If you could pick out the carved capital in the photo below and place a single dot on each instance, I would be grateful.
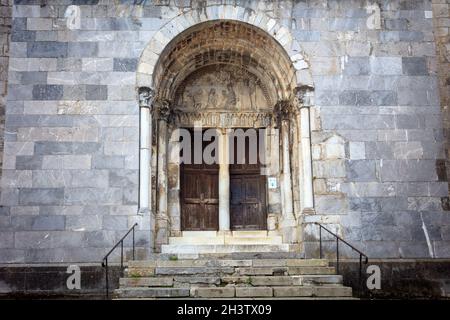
(304, 97)
(164, 110)
(146, 96)
(284, 110)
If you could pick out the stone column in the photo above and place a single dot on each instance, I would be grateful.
(224, 181)
(146, 96)
(162, 220)
(288, 222)
(304, 101)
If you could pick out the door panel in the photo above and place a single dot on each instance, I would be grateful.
(199, 200)
(248, 205)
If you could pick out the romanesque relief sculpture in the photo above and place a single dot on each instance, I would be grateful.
(164, 110)
(222, 88)
(146, 96)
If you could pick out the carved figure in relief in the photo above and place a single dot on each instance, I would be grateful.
(222, 88)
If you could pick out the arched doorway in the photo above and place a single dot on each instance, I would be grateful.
(226, 75)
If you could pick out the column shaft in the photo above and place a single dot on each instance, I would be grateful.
(224, 182)
(308, 198)
(145, 159)
(287, 184)
(162, 168)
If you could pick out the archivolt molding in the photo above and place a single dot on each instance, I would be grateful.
(149, 74)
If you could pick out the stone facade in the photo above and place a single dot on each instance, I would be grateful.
(5, 30)
(70, 176)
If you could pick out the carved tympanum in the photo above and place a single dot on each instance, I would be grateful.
(222, 88)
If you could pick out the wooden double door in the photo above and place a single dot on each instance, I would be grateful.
(200, 195)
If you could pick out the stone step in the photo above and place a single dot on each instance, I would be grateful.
(141, 292)
(258, 292)
(241, 271)
(226, 240)
(198, 249)
(230, 263)
(250, 255)
(298, 280)
(229, 256)
(202, 234)
(284, 271)
(312, 291)
(146, 282)
(256, 281)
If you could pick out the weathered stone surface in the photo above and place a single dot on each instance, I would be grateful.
(153, 292)
(292, 291)
(245, 292)
(47, 196)
(214, 292)
(45, 49)
(72, 125)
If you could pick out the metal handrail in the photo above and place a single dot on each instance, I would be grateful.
(105, 259)
(361, 254)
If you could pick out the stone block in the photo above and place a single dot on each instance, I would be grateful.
(415, 66)
(116, 223)
(33, 77)
(28, 162)
(356, 66)
(214, 292)
(408, 170)
(89, 178)
(307, 35)
(97, 64)
(47, 49)
(47, 92)
(59, 148)
(331, 204)
(125, 64)
(48, 223)
(92, 196)
(82, 49)
(123, 178)
(23, 36)
(292, 291)
(6, 240)
(408, 150)
(386, 65)
(96, 92)
(107, 162)
(16, 179)
(357, 150)
(39, 24)
(361, 170)
(90, 222)
(42, 196)
(257, 292)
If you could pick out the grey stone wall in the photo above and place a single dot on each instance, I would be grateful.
(379, 164)
(70, 166)
(5, 31)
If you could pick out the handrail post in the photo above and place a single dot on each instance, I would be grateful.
(107, 283)
(133, 244)
(121, 254)
(320, 241)
(360, 273)
(337, 255)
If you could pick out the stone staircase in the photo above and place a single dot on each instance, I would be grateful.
(232, 276)
(194, 242)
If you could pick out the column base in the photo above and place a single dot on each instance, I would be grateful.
(308, 211)
(144, 211)
(289, 231)
(224, 233)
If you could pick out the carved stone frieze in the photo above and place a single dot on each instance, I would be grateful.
(223, 119)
